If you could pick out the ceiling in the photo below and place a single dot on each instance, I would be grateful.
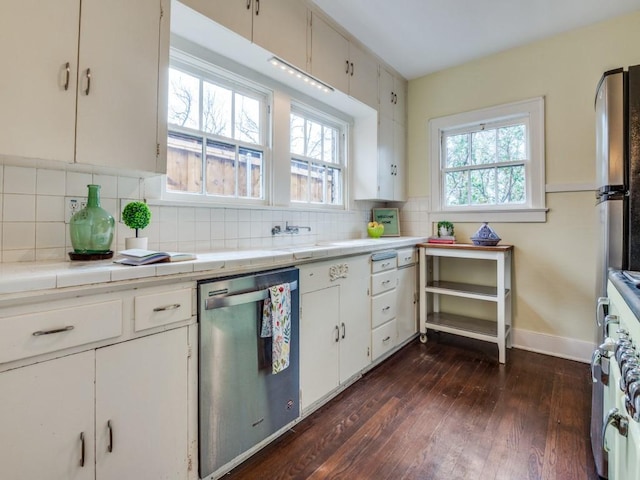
(418, 37)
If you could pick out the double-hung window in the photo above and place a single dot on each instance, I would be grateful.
(317, 158)
(217, 141)
(490, 163)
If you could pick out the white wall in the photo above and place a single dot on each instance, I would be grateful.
(554, 261)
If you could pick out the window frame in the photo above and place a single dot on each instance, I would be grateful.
(534, 208)
(326, 120)
(211, 73)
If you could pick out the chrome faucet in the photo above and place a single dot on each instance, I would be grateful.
(290, 229)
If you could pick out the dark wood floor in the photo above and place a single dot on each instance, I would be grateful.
(445, 410)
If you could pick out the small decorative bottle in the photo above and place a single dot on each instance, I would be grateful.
(92, 227)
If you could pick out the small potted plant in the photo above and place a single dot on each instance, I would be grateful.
(445, 229)
(136, 215)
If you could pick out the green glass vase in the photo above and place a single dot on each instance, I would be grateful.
(92, 227)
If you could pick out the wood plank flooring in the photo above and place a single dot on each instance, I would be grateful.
(444, 410)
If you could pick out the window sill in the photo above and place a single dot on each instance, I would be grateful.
(525, 215)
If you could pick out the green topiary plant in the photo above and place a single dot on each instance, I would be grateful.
(136, 215)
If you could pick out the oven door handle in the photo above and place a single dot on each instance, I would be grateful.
(241, 298)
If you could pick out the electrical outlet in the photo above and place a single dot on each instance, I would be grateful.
(73, 205)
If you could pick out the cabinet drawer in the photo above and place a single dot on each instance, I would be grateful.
(23, 336)
(383, 308)
(161, 308)
(383, 338)
(384, 281)
(383, 265)
(322, 275)
(407, 256)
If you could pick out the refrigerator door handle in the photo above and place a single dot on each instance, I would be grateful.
(602, 302)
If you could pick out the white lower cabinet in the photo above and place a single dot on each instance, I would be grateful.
(335, 331)
(133, 425)
(407, 306)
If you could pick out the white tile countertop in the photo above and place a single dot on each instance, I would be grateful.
(21, 278)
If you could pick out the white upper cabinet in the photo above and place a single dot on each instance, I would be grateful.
(38, 52)
(342, 64)
(118, 85)
(279, 26)
(115, 86)
(393, 96)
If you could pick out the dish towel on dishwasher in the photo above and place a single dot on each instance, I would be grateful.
(276, 323)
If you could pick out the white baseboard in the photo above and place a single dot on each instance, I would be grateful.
(562, 347)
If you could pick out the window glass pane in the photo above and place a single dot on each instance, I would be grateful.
(297, 135)
(333, 186)
(512, 143)
(247, 125)
(314, 140)
(330, 145)
(249, 173)
(221, 172)
(511, 184)
(299, 180)
(184, 100)
(483, 186)
(316, 188)
(483, 147)
(184, 163)
(457, 188)
(457, 150)
(216, 109)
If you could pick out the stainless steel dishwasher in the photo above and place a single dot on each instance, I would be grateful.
(241, 402)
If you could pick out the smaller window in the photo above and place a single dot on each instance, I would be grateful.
(489, 163)
(317, 159)
(217, 135)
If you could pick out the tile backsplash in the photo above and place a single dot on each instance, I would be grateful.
(34, 224)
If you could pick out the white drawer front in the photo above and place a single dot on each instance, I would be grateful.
(407, 256)
(383, 338)
(384, 281)
(383, 265)
(383, 308)
(162, 308)
(23, 336)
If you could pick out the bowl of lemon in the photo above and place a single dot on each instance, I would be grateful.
(375, 229)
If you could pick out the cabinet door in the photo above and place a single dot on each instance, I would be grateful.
(407, 313)
(117, 122)
(37, 40)
(386, 158)
(363, 76)
(141, 392)
(280, 26)
(399, 162)
(386, 93)
(319, 337)
(329, 54)
(355, 323)
(44, 409)
(236, 15)
(400, 102)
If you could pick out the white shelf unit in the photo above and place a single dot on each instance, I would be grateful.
(431, 287)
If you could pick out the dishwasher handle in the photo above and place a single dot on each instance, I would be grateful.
(241, 298)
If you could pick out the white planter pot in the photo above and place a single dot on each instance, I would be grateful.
(136, 242)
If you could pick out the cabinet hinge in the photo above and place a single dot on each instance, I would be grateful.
(161, 12)
(157, 149)
(268, 109)
(368, 351)
(189, 463)
(189, 352)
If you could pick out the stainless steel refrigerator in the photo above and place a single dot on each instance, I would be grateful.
(617, 107)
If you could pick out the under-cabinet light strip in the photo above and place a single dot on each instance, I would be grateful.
(296, 72)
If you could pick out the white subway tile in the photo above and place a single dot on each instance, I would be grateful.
(19, 208)
(51, 182)
(76, 184)
(19, 180)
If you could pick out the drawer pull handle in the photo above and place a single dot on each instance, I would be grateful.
(337, 338)
(55, 330)
(386, 309)
(386, 282)
(344, 330)
(385, 264)
(386, 340)
(173, 306)
(82, 449)
(110, 446)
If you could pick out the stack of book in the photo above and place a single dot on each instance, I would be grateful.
(445, 240)
(137, 256)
